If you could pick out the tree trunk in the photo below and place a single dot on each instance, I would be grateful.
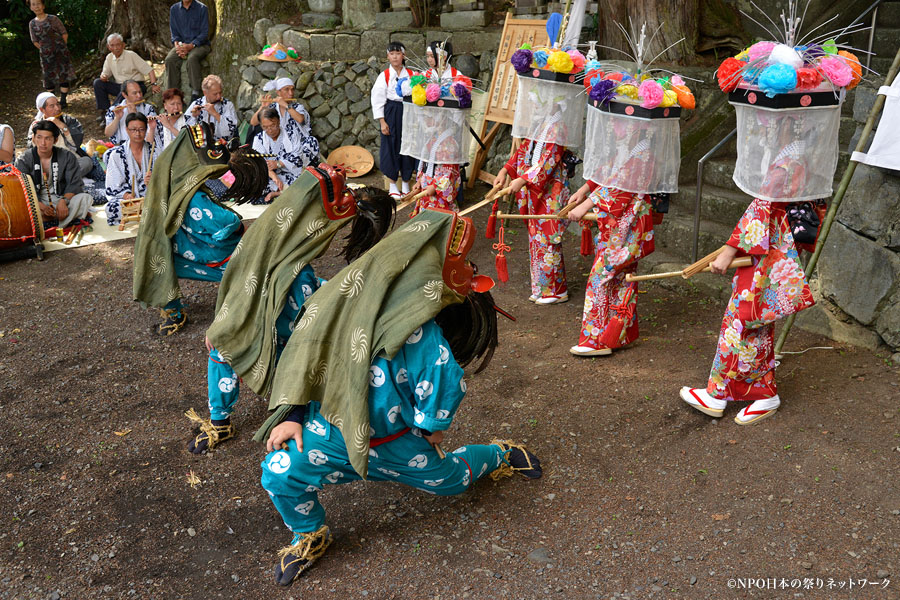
(234, 38)
(144, 24)
(678, 20)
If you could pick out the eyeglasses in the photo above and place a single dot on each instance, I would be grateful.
(133, 130)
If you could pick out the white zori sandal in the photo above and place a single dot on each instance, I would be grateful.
(758, 411)
(699, 398)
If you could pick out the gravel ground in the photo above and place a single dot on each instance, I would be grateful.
(642, 497)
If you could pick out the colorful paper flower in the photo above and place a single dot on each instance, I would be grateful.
(685, 97)
(578, 60)
(855, 67)
(836, 70)
(560, 62)
(760, 51)
(808, 78)
(525, 46)
(463, 95)
(280, 55)
(830, 47)
(603, 91)
(460, 78)
(592, 65)
(292, 53)
(521, 60)
(540, 58)
(651, 93)
(729, 74)
(433, 92)
(670, 98)
(615, 76)
(751, 74)
(591, 77)
(785, 55)
(417, 80)
(677, 80)
(268, 51)
(418, 95)
(813, 51)
(777, 79)
(628, 90)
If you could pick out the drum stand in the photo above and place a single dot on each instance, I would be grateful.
(131, 212)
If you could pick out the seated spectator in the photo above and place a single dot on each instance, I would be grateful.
(132, 103)
(54, 171)
(283, 159)
(212, 108)
(7, 144)
(294, 118)
(120, 66)
(128, 167)
(166, 127)
(71, 131)
(189, 25)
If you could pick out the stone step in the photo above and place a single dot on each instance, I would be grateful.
(675, 234)
(888, 15)
(885, 42)
(881, 65)
(718, 171)
(723, 205)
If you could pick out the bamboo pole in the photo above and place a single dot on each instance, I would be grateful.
(587, 217)
(839, 194)
(744, 261)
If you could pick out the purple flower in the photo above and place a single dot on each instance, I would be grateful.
(603, 91)
(521, 60)
(463, 95)
(813, 51)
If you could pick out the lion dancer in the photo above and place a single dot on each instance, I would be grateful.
(186, 232)
(270, 279)
(385, 416)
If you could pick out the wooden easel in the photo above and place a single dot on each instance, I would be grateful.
(501, 104)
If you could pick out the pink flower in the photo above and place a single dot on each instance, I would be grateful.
(760, 51)
(783, 271)
(677, 80)
(433, 92)
(652, 93)
(578, 60)
(836, 70)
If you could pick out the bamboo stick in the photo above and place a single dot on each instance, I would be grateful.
(744, 261)
(701, 264)
(839, 194)
(587, 217)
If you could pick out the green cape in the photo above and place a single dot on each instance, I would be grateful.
(177, 174)
(290, 233)
(369, 309)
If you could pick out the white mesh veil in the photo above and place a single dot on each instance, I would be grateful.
(549, 111)
(435, 135)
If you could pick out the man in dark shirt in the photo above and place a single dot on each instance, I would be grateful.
(189, 24)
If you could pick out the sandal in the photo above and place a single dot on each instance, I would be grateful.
(174, 319)
(301, 554)
(516, 459)
(208, 434)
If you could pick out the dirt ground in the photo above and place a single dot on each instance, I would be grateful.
(642, 497)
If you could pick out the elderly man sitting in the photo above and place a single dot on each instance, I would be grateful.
(56, 179)
(132, 103)
(212, 108)
(120, 66)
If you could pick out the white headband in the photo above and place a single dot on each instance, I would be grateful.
(42, 98)
(277, 84)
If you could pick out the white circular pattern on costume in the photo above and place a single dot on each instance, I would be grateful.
(465, 480)
(311, 488)
(359, 345)
(279, 463)
(250, 284)
(415, 336)
(189, 255)
(401, 376)
(388, 472)
(199, 271)
(420, 416)
(424, 389)
(463, 386)
(188, 229)
(483, 469)
(444, 358)
(352, 283)
(433, 290)
(317, 457)
(455, 460)
(372, 453)
(416, 432)
(333, 477)
(376, 376)
(304, 507)
(208, 213)
(393, 413)
(419, 461)
(307, 291)
(158, 265)
(284, 218)
(443, 414)
(458, 451)
(316, 427)
(433, 482)
(293, 303)
(226, 384)
(196, 213)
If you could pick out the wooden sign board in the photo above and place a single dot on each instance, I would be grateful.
(501, 103)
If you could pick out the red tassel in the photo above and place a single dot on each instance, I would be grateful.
(491, 230)
(587, 240)
(500, 259)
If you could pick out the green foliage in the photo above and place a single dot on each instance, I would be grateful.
(85, 20)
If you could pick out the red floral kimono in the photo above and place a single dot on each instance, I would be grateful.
(774, 286)
(446, 182)
(625, 223)
(545, 192)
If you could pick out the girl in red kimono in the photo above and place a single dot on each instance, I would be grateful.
(539, 182)
(625, 236)
(442, 181)
(774, 286)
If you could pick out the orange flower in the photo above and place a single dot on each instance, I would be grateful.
(852, 62)
(685, 97)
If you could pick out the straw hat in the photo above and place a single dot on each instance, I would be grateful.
(355, 160)
(278, 53)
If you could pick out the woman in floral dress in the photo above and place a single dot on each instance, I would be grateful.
(49, 36)
(774, 286)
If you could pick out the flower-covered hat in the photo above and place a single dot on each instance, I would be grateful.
(278, 53)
